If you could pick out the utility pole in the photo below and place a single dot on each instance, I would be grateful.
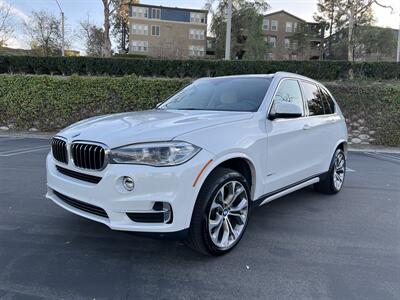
(398, 42)
(228, 31)
(62, 30)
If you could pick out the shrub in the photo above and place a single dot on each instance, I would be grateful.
(120, 66)
(371, 105)
(53, 102)
(50, 103)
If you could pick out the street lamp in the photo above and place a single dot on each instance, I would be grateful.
(62, 29)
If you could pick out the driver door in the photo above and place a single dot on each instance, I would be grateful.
(287, 153)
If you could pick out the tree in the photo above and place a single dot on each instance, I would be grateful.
(350, 14)
(247, 35)
(327, 15)
(119, 22)
(44, 31)
(119, 11)
(6, 26)
(106, 34)
(375, 43)
(93, 37)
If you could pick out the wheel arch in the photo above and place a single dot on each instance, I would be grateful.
(238, 162)
(342, 144)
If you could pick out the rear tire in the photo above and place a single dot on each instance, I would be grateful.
(221, 213)
(332, 182)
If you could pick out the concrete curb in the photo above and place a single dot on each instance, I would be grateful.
(48, 135)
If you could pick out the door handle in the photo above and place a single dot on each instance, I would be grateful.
(306, 127)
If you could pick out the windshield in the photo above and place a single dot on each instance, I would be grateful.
(225, 94)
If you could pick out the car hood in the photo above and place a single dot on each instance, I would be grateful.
(146, 126)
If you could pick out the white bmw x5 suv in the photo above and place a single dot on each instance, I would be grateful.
(198, 163)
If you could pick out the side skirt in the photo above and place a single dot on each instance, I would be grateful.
(288, 189)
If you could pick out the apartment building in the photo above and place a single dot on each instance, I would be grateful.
(167, 32)
(292, 38)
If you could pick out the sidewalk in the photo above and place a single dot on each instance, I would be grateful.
(48, 135)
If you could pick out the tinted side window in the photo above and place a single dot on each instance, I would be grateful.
(289, 91)
(330, 104)
(313, 96)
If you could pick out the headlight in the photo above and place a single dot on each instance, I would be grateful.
(154, 154)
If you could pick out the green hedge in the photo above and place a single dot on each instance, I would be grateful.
(49, 103)
(376, 104)
(326, 70)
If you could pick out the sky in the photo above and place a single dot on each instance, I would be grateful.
(77, 10)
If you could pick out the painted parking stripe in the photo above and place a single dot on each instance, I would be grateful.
(22, 151)
(383, 156)
(350, 170)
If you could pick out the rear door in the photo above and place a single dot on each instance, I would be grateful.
(320, 126)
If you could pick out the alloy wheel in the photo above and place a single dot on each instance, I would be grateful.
(339, 171)
(228, 214)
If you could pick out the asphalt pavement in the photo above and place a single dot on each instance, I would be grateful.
(303, 246)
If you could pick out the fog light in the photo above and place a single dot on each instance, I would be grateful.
(128, 183)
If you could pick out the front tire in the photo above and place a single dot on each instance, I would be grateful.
(334, 179)
(221, 213)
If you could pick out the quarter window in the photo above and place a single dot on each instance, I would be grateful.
(313, 96)
(289, 91)
(329, 104)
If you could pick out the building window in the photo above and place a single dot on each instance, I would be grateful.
(287, 43)
(266, 24)
(140, 29)
(197, 18)
(140, 12)
(294, 57)
(294, 26)
(140, 46)
(289, 27)
(270, 56)
(274, 25)
(196, 50)
(272, 41)
(196, 34)
(295, 44)
(155, 30)
(156, 13)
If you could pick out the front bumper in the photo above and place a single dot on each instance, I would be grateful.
(173, 185)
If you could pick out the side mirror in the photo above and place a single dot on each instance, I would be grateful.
(286, 110)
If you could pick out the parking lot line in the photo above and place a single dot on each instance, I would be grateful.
(23, 150)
